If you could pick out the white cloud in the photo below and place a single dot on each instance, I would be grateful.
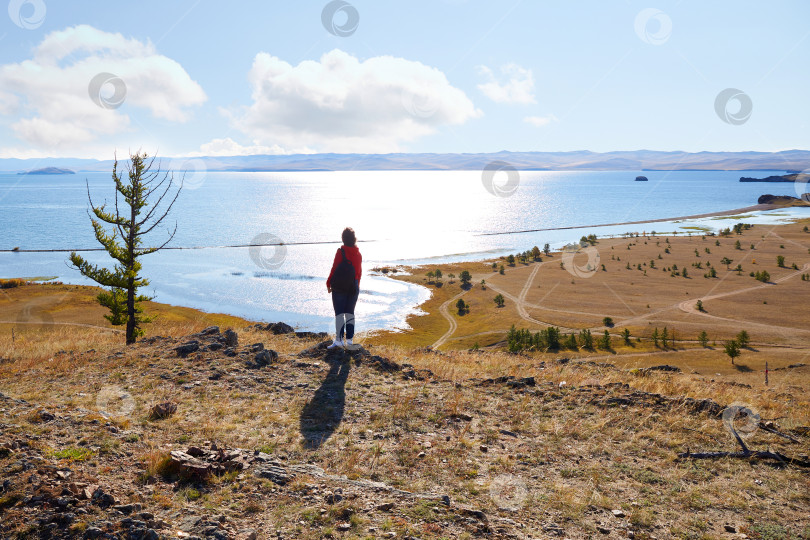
(229, 147)
(342, 104)
(518, 86)
(540, 121)
(49, 92)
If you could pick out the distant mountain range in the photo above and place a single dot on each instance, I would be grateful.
(583, 160)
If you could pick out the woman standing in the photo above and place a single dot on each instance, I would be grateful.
(344, 284)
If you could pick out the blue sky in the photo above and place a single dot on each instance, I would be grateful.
(210, 78)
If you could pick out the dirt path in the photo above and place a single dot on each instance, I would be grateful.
(688, 306)
(446, 314)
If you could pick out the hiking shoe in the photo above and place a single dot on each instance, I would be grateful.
(348, 343)
(336, 343)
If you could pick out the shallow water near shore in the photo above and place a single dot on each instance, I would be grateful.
(401, 217)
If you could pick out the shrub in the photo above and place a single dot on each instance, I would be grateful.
(499, 301)
(608, 321)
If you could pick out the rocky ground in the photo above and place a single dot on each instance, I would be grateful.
(268, 434)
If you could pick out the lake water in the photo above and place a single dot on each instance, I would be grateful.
(401, 217)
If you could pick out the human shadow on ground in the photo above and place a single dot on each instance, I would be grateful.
(322, 415)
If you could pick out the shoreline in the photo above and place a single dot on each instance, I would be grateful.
(755, 208)
(417, 309)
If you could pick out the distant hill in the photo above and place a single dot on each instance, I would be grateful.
(48, 170)
(581, 160)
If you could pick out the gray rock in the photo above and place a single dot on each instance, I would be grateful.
(210, 330)
(93, 532)
(187, 348)
(265, 357)
(231, 338)
(277, 474)
(279, 328)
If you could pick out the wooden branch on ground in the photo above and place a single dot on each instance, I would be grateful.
(746, 452)
(770, 429)
(755, 454)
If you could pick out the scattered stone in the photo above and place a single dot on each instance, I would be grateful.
(521, 383)
(210, 331)
(128, 508)
(383, 364)
(256, 347)
(384, 507)
(332, 498)
(279, 328)
(730, 528)
(508, 433)
(311, 335)
(200, 463)
(473, 513)
(603, 530)
(187, 348)
(163, 410)
(215, 346)
(231, 338)
(276, 473)
(265, 357)
(665, 367)
(617, 513)
(484, 448)
(343, 526)
(102, 499)
(93, 532)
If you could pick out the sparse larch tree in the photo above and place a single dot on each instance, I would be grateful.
(143, 190)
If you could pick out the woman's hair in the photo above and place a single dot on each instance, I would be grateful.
(349, 239)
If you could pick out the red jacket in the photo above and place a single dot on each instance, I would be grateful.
(353, 254)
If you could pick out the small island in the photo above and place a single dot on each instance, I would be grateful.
(48, 170)
(780, 178)
(641, 179)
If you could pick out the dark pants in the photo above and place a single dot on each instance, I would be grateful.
(344, 312)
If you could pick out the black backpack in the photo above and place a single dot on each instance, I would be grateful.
(343, 278)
